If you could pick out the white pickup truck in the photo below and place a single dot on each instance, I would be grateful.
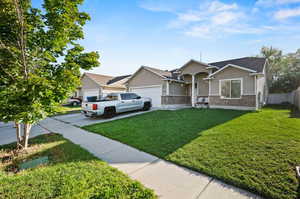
(115, 103)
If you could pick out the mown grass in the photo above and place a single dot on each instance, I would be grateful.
(71, 173)
(64, 109)
(257, 151)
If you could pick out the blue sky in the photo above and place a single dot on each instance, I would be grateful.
(168, 33)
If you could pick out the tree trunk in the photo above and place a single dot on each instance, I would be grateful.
(18, 132)
(27, 128)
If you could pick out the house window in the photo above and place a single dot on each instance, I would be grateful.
(231, 89)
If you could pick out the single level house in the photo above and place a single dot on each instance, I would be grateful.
(230, 84)
(98, 85)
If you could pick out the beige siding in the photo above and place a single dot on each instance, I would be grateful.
(145, 78)
(177, 89)
(194, 68)
(231, 73)
(203, 85)
(87, 83)
(187, 78)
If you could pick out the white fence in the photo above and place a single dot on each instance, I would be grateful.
(279, 98)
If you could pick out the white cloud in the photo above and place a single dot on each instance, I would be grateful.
(213, 31)
(199, 31)
(210, 19)
(225, 18)
(215, 19)
(189, 17)
(217, 6)
(287, 1)
(156, 6)
(275, 2)
(287, 13)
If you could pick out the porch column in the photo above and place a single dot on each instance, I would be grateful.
(168, 88)
(193, 90)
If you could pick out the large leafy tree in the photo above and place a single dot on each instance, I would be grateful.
(283, 70)
(274, 58)
(288, 78)
(40, 59)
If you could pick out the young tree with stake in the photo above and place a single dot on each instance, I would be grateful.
(40, 59)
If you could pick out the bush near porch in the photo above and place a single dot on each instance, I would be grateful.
(257, 151)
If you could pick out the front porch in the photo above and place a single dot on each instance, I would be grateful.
(190, 90)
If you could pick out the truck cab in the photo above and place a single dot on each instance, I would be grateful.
(115, 103)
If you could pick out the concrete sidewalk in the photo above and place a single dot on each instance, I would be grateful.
(166, 179)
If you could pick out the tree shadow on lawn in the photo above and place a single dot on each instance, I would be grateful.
(54, 146)
(295, 113)
(164, 131)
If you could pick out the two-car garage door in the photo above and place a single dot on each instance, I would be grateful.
(154, 92)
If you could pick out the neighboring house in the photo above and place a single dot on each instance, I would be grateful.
(232, 84)
(98, 85)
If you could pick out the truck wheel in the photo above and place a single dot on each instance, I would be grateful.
(109, 112)
(147, 106)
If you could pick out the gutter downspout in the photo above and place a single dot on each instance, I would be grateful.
(193, 90)
(168, 87)
(255, 88)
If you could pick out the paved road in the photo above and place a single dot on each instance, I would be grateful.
(8, 132)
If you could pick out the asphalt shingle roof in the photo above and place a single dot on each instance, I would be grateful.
(164, 73)
(105, 80)
(252, 63)
(118, 78)
(100, 79)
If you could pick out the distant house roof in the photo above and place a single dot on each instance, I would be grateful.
(118, 78)
(253, 63)
(163, 73)
(100, 79)
(108, 81)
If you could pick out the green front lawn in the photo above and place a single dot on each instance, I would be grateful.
(257, 151)
(64, 109)
(71, 173)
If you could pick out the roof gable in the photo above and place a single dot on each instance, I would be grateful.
(97, 78)
(107, 81)
(161, 73)
(200, 67)
(234, 66)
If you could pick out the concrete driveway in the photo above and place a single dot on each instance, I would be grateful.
(78, 119)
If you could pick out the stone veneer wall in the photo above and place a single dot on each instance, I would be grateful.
(171, 100)
(246, 100)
